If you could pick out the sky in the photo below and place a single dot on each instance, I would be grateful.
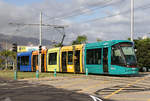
(21, 2)
(97, 19)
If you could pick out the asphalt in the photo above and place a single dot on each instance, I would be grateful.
(11, 90)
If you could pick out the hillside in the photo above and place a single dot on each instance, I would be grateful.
(20, 41)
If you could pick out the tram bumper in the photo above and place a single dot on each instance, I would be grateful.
(120, 70)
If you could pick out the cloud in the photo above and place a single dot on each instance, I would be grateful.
(65, 13)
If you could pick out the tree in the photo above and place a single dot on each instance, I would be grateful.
(142, 47)
(2, 61)
(58, 45)
(98, 40)
(80, 40)
(7, 55)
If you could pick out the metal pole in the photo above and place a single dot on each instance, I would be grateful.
(40, 43)
(37, 74)
(40, 28)
(15, 75)
(16, 62)
(6, 64)
(55, 72)
(87, 72)
(132, 19)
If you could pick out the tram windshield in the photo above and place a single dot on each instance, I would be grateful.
(117, 57)
(129, 54)
(123, 55)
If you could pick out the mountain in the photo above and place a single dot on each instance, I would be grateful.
(20, 41)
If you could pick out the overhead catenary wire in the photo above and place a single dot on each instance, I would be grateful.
(81, 11)
(78, 10)
(120, 13)
(101, 18)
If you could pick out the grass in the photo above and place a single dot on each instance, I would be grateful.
(23, 75)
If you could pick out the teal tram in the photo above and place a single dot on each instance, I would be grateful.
(116, 57)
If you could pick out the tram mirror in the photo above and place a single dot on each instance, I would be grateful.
(135, 50)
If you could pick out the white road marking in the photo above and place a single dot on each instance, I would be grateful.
(7, 99)
(95, 98)
(147, 75)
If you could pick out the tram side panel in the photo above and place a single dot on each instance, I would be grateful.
(25, 61)
(53, 59)
(71, 59)
(35, 60)
(93, 60)
(67, 59)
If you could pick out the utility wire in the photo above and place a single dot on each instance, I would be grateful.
(75, 11)
(81, 12)
(120, 13)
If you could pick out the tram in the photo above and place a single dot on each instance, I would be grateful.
(115, 57)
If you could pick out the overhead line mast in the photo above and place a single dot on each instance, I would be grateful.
(40, 43)
(132, 19)
(40, 35)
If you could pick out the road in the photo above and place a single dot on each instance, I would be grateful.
(24, 90)
(116, 88)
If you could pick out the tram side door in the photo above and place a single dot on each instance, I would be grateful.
(42, 62)
(63, 61)
(18, 63)
(77, 61)
(34, 62)
(105, 60)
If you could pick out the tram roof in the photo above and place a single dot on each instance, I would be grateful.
(105, 43)
(69, 48)
(43, 51)
(24, 53)
(51, 50)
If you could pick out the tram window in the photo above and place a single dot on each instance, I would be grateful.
(34, 60)
(25, 60)
(52, 58)
(18, 60)
(42, 59)
(70, 57)
(93, 56)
